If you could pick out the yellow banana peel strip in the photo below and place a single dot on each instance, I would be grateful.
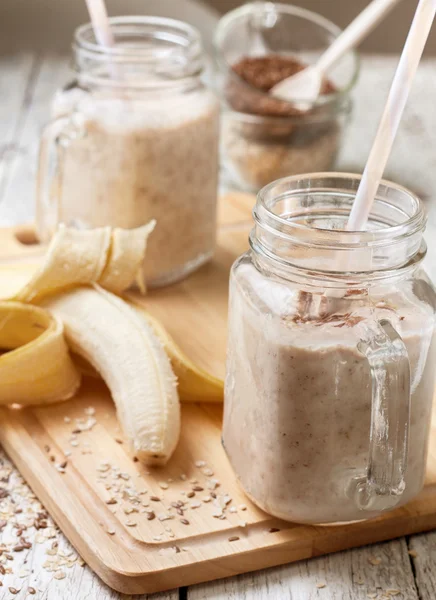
(194, 383)
(126, 257)
(36, 367)
(109, 257)
(74, 257)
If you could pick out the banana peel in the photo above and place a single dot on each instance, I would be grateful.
(125, 260)
(36, 367)
(109, 257)
(74, 257)
(194, 384)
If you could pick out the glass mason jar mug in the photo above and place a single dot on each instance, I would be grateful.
(331, 353)
(135, 138)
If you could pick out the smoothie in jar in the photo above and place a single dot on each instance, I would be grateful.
(147, 159)
(137, 139)
(302, 384)
(331, 353)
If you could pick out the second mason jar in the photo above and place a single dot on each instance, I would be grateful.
(331, 353)
(135, 139)
(264, 138)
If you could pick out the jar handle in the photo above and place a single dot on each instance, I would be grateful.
(56, 137)
(384, 483)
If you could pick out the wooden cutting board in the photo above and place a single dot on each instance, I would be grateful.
(129, 552)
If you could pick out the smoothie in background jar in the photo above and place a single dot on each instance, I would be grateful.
(140, 142)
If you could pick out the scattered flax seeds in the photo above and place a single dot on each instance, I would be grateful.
(413, 553)
(320, 586)
(184, 521)
(233, 538)
(31, 590)
(374, 561)
(163, 485)
(131, 523)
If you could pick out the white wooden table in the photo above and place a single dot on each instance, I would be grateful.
(403, 569)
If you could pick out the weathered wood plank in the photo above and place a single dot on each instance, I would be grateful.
(17, 186)
(413, 161)
(15, 73)
(423, 554)
(370, 572)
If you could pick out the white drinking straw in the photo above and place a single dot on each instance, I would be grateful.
(391, 118)
(100, 22)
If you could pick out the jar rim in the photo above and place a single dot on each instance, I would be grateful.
(298, 11)
(149, 53)
(85, 40)
(337, 238)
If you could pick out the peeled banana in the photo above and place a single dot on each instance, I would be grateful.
(123, 348)
(37, 367)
